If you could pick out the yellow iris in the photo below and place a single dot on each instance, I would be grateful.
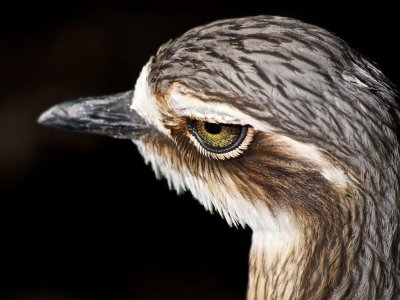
(217, 136)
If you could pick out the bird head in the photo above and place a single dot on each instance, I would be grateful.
(269, 121)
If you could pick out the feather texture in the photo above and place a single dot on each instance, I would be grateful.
(319, 184)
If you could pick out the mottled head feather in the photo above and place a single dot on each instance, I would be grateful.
(322, 170)
(299, 78)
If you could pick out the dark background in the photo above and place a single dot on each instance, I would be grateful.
(81, 216)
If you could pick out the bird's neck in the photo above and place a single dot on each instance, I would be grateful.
(323, 261)
(272, 274)
(314, 264)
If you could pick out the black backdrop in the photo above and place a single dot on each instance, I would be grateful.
(82, 217)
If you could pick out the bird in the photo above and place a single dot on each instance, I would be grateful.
(280, 126)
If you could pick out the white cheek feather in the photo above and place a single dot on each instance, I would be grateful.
(280, 231)
(145, 103)
(278, 238)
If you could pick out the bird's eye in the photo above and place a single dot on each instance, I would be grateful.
(220, 141)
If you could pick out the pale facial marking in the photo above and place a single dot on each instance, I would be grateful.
(310, 152)
(145, 103)
(184, 104)
(279, 237)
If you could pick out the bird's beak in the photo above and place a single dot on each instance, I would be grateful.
(106, 115)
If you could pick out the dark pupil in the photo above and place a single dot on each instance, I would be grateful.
(212, 128)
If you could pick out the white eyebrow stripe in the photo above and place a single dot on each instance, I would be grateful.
(145, 103)
(186, 105)
(310, 152)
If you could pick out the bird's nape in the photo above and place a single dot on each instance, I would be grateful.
(280, 126)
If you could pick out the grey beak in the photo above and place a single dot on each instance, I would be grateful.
(107, 115)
